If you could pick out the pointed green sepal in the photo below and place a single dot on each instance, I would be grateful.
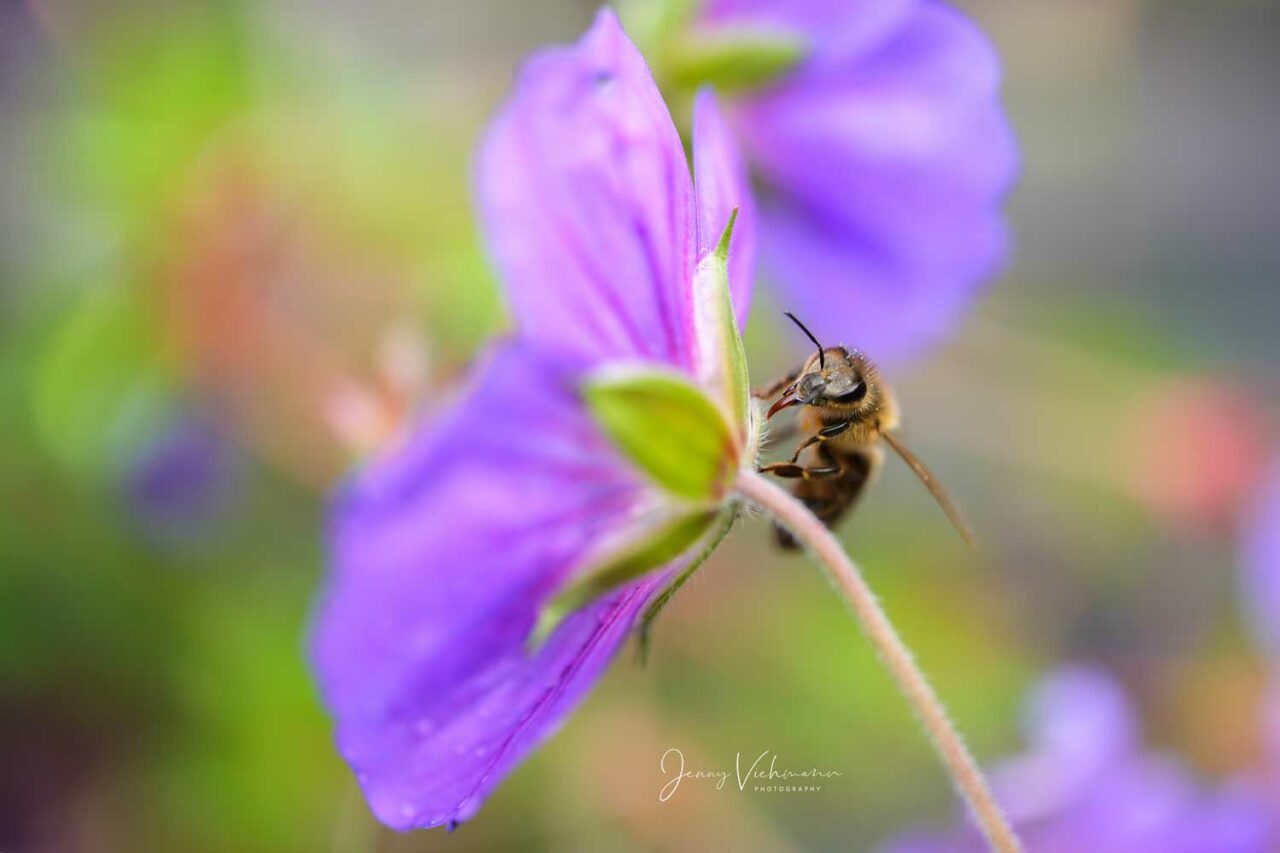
(732, 59)
(709, 544)
(667, 427)
(722, 359)
(653, 24)
(658, 548)
(722, 248)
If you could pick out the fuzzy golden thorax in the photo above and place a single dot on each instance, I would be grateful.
(847, 412)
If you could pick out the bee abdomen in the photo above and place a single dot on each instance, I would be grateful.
(830, 499)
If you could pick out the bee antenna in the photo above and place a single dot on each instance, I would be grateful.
(822, 357)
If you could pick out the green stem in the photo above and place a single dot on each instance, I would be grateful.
(956, 759)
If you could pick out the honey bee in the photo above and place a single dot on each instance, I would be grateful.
(848, 412)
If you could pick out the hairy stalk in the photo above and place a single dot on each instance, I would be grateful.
(964, 771)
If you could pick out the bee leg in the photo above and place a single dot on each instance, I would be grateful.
(774, 389)
(792, 471)
(832, 498)
(821, 436)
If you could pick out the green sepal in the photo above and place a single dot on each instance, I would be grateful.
(653, 551)
(722, 528)
(722, 357)
(653, 24)
(732, 59)
(667, 427)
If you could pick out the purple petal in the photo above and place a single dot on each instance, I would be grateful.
(1081, 714)
(442, 554)
(1080, 727)
(1260, 564)
(828, 24)
(850, 294)
(1151, 804)
(1236, 819)
(722, 186)
(1271, 729)
(884, 160)
(1085, 783)
(588, 200)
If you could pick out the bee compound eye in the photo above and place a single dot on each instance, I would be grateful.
(811, 386)
(854, 394)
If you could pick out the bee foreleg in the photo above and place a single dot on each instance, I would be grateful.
(792, 471)
(821, 436)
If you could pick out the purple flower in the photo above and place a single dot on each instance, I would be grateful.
(181, 483)
(881, 150)
(1086, 783)
(516, 503)
(1260, 599)
(1260, 564)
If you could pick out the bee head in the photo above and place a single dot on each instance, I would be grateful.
(832, 378)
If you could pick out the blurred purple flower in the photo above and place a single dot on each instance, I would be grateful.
(445, 552)
(883, 156)
(1260, 599)
(182, 482)
(1086, 783)
(1271, 740)
(1260, 564)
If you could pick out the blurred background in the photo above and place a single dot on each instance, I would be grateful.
(237, 249)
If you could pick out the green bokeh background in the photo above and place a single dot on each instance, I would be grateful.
(1101, 416)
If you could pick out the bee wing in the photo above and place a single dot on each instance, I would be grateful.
(930, 483)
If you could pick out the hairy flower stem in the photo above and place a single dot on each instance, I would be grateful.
(957, 760)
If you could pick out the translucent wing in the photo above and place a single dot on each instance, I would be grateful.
(926, 477)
